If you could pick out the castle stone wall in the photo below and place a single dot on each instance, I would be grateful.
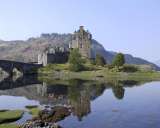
(61, 57)
(82, 40)
(48, 57)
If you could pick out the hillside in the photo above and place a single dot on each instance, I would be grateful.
(109, 55)
(157, 62)
(27, 51)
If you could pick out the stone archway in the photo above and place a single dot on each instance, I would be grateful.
(17, 72)
(3, 73)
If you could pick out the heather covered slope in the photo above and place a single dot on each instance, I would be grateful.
(27, 51)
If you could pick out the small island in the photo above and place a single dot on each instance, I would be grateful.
(80, 60)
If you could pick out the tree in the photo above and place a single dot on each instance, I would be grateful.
(100, 60)
(75, 60)
(118, 91)
(119, 60)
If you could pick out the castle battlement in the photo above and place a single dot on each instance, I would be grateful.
(82, 40)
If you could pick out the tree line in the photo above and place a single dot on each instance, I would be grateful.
(76, 62)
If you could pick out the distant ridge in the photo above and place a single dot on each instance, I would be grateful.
(27, 51)
(109, 55)
(158, 62)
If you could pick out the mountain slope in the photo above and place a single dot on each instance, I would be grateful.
(27, 51)
(109, 55)
(157, 62)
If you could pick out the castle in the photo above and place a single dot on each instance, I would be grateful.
(81, 39)
(53, 55)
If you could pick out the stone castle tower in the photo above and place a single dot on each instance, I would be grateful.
(82, 40)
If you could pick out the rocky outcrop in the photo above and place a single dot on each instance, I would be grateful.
(48, 117)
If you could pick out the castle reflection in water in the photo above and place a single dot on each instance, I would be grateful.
(77, 94)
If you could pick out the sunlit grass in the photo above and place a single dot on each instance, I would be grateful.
(93, 72)
(33, 110)
(10, 115)
(8, 126)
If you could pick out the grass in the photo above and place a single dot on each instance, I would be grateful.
(10, 116)
(31, 106)
(8, 126)
(93, 72)
(33, 110)
(53, 67)
(135, 76)
(3, 110)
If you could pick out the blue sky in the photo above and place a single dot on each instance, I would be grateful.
(128, 26)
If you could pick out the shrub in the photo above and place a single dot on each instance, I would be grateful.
(93, 62)
(110, 66)
(75, 61)
(129, 68)
(100, 60)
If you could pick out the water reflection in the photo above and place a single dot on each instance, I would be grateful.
(79, 98)
(77, 94)
(11, 82)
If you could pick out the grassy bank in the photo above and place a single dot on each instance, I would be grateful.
(33, 110)
(7, 116)
(8, 126)
(92, 72)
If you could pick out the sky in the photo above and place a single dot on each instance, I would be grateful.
(127, 26)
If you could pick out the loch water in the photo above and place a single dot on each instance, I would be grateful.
(113, 104)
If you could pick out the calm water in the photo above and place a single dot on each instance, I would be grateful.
(115, 104)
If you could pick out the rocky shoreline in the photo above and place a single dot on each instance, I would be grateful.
(48, 118)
